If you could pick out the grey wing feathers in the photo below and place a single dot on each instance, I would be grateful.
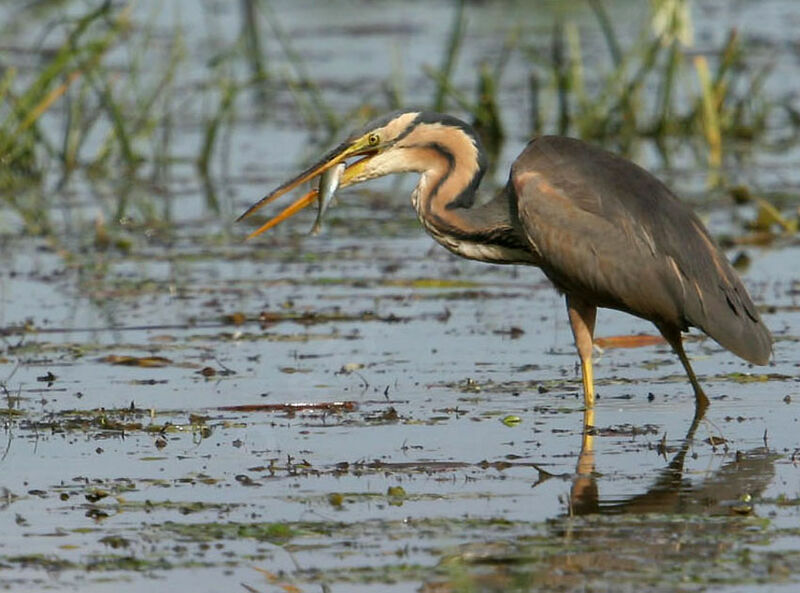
(608, 230)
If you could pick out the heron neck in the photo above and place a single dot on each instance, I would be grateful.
(485, 233)
(452, 163)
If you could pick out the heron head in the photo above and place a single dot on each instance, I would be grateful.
(371, 147)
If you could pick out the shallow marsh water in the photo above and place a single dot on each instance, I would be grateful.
(361, 411)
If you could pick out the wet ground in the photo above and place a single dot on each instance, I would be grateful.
(257, 415)
(362, 411)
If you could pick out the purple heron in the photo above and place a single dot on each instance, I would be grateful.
(606, 232)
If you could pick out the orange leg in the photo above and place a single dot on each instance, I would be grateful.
(582, 317)
(673, 337)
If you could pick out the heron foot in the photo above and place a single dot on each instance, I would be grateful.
(701, 400)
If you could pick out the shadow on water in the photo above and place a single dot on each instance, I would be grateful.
(746, 476)
(680, 530)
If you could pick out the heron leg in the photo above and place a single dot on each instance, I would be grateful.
(673, 336)
(583, 493)
(582, 316)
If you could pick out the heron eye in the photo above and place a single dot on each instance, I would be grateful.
(373, 139)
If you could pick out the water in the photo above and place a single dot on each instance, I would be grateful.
(401, 467)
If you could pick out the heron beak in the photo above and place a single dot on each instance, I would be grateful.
(359, 147)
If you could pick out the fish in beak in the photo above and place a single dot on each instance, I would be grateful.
(366, 147)
(328, 183)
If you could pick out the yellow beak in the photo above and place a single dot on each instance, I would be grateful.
(359, 147)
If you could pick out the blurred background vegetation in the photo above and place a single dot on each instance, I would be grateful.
(111, 112)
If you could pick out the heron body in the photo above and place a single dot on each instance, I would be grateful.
(606, 232)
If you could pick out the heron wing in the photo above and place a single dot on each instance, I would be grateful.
(607, 230)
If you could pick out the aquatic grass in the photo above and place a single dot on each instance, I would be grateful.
(228, 90)
(561, 79)
(114, 111)
(23, 144)
(106, 121)
(710, 115)
(308, 96)
(450, 57)
(609, 33)
(534, 113)
(725, 101)
(484, 110)
(19, 133)
(255, 56)
(663, 117)
(27, 108)
(486, 116)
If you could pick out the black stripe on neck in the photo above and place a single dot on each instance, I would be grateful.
(451, 165)
(466, 198)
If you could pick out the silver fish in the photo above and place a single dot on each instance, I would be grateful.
(328, 184)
